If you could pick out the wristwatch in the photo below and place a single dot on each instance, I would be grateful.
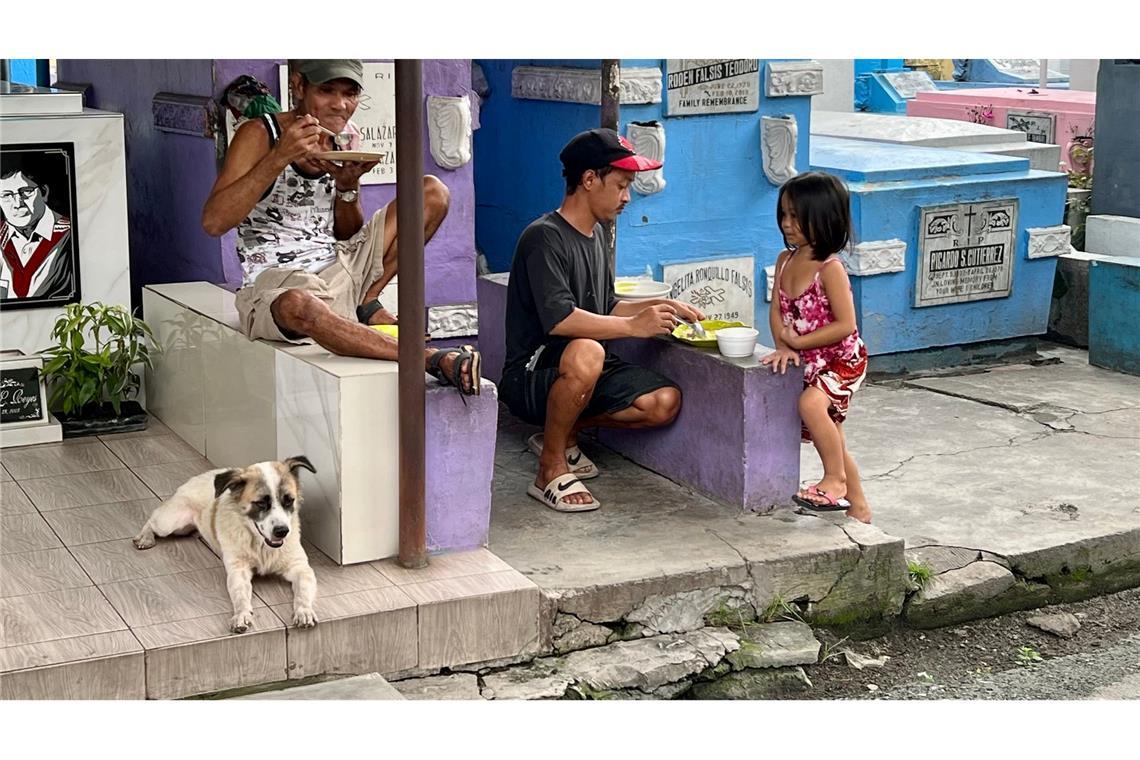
(348, 196)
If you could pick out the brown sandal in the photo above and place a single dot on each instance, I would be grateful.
(466, 367)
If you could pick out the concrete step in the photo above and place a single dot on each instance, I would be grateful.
(761, 661)
(369, 686)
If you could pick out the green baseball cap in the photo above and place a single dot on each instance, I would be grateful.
(321, 71)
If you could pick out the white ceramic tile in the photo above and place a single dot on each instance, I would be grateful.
(370, 487)
(241, 424)
(203, 297)
(101, 220)
(308, 422)
(175, 386)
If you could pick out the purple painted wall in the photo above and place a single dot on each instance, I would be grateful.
(164, 171)
(459, 463)
(169, 176)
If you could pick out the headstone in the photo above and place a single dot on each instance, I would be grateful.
(1024, 108)
(909, 83)
(1038, 126)
(939, 226)
(966, 252)
(928, 132)
(721, 288)
(708, 85)
(24, 415)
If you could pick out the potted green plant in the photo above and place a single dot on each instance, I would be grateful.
(90, 370)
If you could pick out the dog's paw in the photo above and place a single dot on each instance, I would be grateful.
(144, 540)
(304, 617)
(241, 622)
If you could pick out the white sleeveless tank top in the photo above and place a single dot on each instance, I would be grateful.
(292, 225)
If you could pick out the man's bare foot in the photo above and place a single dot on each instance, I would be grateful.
(382, 317)
(548, 472)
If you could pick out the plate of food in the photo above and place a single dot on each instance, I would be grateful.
(363, 156)
(686, 334)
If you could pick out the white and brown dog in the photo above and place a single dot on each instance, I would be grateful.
(250, 518)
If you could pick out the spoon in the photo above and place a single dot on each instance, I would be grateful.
(342, 139)
(697, 327)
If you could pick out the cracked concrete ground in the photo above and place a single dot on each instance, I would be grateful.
(1017, 461)
(1026, 465)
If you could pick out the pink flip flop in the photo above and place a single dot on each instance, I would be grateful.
(830, 503)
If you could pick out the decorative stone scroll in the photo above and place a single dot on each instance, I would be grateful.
(573, 85)
(184, 114)
(648, 139)
(788, 78)
(456, 320)
(1048, 241)
(778, 148)
(449, 130)
(875, 257)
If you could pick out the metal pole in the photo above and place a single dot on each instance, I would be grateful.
(611, 117)
(1044, 74)
(410, 252)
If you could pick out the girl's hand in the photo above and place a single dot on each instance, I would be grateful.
(790, 337)
(779, 359)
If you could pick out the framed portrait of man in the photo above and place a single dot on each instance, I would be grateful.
(39, 242)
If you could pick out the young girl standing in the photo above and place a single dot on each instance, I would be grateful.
(813, 319)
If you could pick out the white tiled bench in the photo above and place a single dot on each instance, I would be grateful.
(239, 401)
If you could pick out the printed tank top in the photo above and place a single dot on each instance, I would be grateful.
(292, 224)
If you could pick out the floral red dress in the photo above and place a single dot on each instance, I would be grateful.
(837, 369)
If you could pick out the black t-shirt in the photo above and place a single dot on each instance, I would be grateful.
(555, 269)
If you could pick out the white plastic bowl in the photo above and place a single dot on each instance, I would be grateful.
(635, 288)
(736, 342)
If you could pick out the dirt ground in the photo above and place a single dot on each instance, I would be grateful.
(975, 650)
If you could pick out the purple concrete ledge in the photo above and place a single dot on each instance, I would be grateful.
(491, 296)
(737, 437)
(460, 464)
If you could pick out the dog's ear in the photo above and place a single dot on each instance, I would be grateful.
(297, 462)
(227, 480)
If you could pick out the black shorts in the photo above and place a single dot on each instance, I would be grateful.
(525, 392)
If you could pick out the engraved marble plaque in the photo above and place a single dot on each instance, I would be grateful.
(709, 85)
(909, 83)
(1039, 127)
(721, 288)
(965, 252)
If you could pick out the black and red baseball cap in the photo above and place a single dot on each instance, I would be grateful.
(600, 147)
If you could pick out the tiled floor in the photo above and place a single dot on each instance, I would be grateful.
(83, 614)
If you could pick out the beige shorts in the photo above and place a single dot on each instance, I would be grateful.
(341, 285)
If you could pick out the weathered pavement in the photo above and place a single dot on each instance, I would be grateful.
(1107, 674)
(1009, 483)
